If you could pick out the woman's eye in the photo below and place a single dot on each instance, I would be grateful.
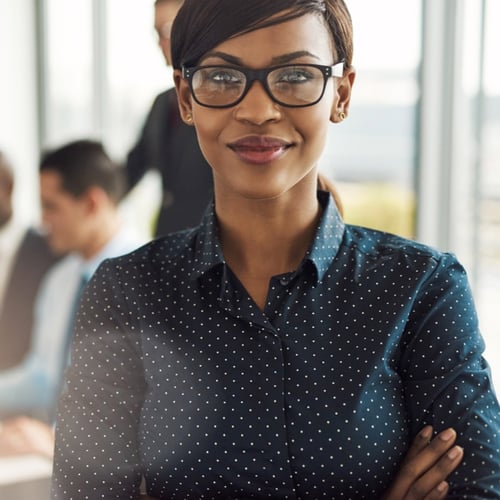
(295, 75)
(224, 77)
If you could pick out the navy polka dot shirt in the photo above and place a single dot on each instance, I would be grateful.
(179, 378)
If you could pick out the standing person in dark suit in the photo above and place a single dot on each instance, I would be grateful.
(170, 146)
(24, 258)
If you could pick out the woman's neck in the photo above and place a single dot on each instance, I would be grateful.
(264, 238)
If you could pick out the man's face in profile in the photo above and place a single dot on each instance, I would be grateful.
(64, 216)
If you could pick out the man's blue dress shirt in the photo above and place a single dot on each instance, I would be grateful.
(178, 376)
(32, 387)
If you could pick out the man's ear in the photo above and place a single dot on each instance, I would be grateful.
(94, 198)
(340, 108)
(183, 97)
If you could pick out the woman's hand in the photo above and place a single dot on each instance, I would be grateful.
(423, 472)
(426, 466)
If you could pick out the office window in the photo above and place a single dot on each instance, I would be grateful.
(108, 49)
(135, 71)
(103, 69)
(69, 107)
(488, 186)
(371, 155)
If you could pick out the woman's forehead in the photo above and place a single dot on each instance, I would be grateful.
(307, 35)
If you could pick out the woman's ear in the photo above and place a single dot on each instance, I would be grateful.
(183, 97)
(340, 108)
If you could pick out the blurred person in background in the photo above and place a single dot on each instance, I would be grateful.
(170, 146)
(24, 258)
(80, 187)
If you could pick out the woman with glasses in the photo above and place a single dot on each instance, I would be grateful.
(275, 351)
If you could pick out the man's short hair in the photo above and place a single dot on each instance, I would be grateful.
(84, 164)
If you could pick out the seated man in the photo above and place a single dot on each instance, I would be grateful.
(80, 188)
(24, 259)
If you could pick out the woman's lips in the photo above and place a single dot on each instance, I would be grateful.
(259, 150)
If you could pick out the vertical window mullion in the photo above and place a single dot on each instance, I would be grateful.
(445, 205)
(99, 63)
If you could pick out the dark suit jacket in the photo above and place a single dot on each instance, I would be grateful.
(170, 146)
(16, 315)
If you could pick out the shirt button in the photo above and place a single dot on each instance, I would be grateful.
(284, 281)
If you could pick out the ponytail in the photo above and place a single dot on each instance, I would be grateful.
(325, 184)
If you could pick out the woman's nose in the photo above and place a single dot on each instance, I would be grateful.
(257, 106)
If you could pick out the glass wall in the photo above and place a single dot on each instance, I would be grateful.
(102, 70)
(18, 101)
(418, 154)
(69, 97)
(135, 70)
(488, 184)
(372, 154)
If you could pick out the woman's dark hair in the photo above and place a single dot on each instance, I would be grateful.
(201, 25)
(83, 164)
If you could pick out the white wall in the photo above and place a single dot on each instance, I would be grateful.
(18, 108)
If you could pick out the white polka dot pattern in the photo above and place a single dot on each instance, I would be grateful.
(179, 377)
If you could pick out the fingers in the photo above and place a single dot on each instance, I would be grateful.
(441, 491)
(422, 440)
(426, 466)
(418, 463)
(431, 484)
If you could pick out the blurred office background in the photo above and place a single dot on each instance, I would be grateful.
(419, 154)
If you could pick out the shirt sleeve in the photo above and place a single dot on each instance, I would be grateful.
(25, 387)
(448, 382)
(96, 451)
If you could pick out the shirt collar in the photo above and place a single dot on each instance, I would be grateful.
(328, 238)
(208, 251)
(326, 243)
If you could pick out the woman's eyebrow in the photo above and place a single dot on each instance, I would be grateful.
(281, 59)
(226, 57)
(286, 58)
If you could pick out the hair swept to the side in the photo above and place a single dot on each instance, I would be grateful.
(83, 164)
(201, 25)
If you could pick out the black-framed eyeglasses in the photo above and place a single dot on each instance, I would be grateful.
(291, 85)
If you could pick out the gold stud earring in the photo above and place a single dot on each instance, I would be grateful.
(341, 116)
(189, 117)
